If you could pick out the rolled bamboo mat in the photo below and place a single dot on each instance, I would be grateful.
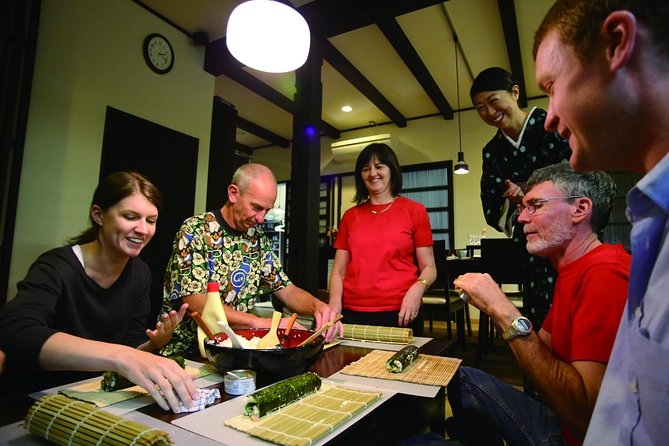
(427, 369)
(64, 421)
(374, 333)
(305, 421)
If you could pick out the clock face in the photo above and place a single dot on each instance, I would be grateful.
(158, 53)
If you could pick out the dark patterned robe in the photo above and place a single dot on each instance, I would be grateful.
(502, 161)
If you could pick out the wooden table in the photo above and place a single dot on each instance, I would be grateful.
(400, 417)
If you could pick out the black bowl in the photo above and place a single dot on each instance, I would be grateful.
(288, 361)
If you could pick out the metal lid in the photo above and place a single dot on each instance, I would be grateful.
(240, 374)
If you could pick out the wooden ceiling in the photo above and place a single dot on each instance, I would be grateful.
(392, 61)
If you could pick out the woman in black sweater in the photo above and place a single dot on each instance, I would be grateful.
(83, 307)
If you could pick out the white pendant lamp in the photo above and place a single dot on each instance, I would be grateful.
(460, 167)
(268, 36)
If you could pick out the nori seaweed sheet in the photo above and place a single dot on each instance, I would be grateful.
(269, 399)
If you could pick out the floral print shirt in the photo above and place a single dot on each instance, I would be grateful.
(206, 249)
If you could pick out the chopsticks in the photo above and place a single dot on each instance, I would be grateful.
(289, 327)
(320, 331)
(202, 324)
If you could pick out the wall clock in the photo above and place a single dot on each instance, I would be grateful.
(158, 53)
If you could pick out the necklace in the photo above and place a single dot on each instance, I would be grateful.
(382, 210)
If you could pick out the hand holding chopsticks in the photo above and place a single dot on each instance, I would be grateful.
(320, 331)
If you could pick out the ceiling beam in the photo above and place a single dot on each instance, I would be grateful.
(248, 151)
(218, 61)
(356, 78)
(330, 18)
(262, 132)
(507, 12)
(399, 40)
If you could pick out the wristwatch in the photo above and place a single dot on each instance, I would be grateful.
(521, 326)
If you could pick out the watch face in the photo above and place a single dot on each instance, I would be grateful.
(524, 325)
(158, 53)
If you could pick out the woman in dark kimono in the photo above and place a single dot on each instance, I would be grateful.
(520, 146)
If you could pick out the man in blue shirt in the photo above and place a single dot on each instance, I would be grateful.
(605, 66)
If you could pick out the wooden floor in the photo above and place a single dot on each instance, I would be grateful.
(499, 361)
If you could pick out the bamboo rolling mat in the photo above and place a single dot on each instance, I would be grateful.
(305, 421)
(373, 333)
(64, 421)
(428, 369)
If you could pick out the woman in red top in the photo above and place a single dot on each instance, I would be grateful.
(384, 260)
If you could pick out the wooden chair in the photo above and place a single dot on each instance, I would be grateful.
(501, 258)
(442, 301)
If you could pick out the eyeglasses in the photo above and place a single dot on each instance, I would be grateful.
(532, 207)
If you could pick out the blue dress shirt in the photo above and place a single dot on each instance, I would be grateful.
(633, 403)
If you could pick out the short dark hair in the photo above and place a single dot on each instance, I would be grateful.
(578, 22)
(111, 190)
(492, 79)
(598, 186)
(385, 155)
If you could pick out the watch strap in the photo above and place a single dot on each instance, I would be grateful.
(510, 333)
(514, 329)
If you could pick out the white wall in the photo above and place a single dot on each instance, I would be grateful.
(422, 141)
(89, 56)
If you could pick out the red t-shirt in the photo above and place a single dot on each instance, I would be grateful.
(382, 250)
(588, 302)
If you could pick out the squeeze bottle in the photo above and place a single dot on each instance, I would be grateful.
(211, 313)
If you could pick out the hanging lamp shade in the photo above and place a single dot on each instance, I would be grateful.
(461, 167)
(268, 36)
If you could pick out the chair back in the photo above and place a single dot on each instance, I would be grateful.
(442, 281)
(449, 270)
(501, 258)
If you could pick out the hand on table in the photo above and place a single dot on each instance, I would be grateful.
(163, 378)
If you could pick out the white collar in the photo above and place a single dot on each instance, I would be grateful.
(516, 144)
(77, 252)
